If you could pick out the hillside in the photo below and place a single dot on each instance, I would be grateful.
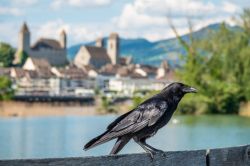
(146, 52)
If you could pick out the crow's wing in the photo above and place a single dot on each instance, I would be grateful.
(114, 123)
(144, 115)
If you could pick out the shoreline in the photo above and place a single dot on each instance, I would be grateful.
(46, 109)
(25, 109)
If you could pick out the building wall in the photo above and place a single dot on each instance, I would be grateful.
(54, 57)
(63, 40)
(29, 65)
(24, 41)
(82, 58)
(113, 50)
(128, 86)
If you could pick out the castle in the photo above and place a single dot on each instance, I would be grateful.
(54, 51)
(98, 56)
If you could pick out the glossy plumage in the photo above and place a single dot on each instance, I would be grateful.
(143, 121)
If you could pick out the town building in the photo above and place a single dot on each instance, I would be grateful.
(54, 51)
(35, 78)
(127, 87)
(165, 72)
(74, 81)
(98, 56)
(39, 78)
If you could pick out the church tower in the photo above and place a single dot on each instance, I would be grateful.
(113, 48)
(63, 39)
(23, 43)
(24, 39)
(99, 42)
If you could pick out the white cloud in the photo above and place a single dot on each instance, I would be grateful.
(149, 17)
(24, 2)
(10, 11)
(140, 18)
(230, 7)
(76, 32)
(89, 3)
(141, 13)
(9, 33)
(58, 4)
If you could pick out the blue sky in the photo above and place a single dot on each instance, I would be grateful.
(85, 20)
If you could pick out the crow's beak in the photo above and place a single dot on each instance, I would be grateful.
(189, 90)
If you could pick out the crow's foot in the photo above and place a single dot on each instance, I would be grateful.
(162, 153)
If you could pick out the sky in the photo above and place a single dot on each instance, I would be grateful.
(85, 20)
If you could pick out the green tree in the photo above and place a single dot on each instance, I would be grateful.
(22, 57)
(6, 55)
(219, 67)
(6, 91)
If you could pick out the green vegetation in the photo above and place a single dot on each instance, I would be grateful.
(22, 57)
(6, 55)
(107, 106)
(218, 67)
(6, 92)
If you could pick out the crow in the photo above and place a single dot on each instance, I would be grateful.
(143, 121)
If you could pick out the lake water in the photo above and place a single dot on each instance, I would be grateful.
(46, 137)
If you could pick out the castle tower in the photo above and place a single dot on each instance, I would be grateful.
(63, 39)
(113, 48)
(163, 69)
(24, 39)
(99, 42)
(23, 43)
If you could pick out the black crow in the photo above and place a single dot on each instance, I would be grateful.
(143, 121)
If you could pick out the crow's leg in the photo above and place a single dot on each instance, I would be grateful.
(149, 149)
(142, 143)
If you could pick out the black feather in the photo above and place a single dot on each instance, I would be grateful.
(144, 121)
(113, 124)
(92, 142)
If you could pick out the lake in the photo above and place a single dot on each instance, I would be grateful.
(47, 137)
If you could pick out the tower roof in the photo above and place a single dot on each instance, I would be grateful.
(46, 43)
(113, 35)
(99, 39)
(24, 28)
(165, 64)
(63, 32)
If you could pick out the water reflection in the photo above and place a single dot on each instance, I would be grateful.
(65, 136)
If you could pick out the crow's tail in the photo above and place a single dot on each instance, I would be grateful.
(98, 140)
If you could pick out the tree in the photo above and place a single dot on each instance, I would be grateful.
(22, 57)
(6, 91)
(6, 55)
(219, 67)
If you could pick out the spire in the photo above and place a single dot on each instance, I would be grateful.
(99, 42)
(165, 64)
(63, 32)
(63, 39)
(24, 28)
(113, 35)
